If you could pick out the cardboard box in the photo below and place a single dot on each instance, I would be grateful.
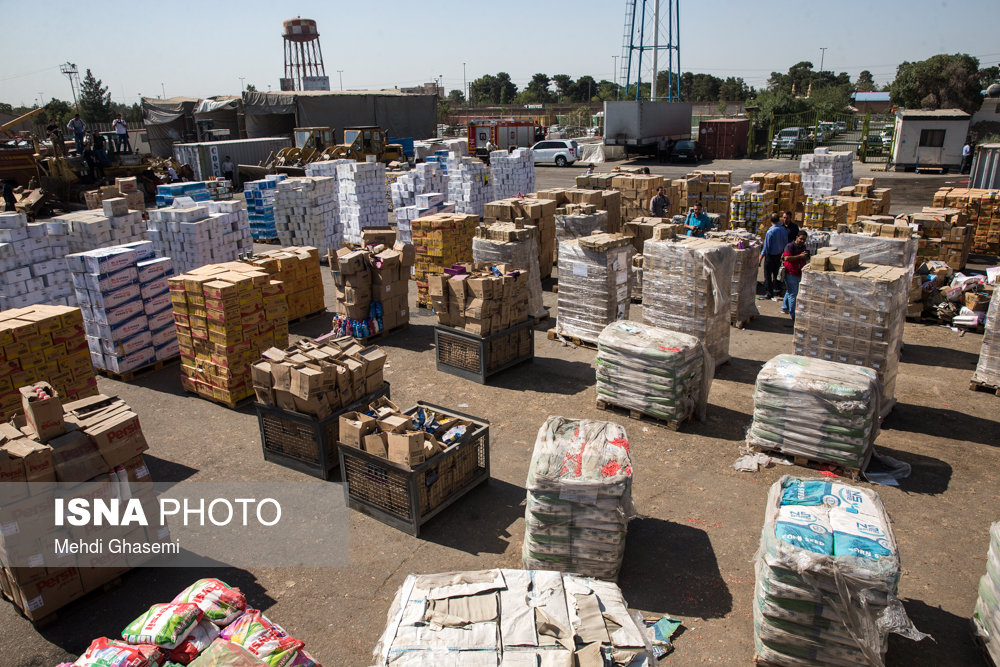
(36, 458)
(44, 415)
(376, 444)
(76, 457)
(50, 592)
(406, 447)
(354, 426)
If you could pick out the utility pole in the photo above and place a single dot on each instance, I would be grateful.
(163, 91)
(614, 71)
(41, 102)
(656, 46)
(340, 73)
(465, 89)
(241, 83)
(822, 56)
(73, 74)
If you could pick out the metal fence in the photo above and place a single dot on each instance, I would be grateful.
(869, 137)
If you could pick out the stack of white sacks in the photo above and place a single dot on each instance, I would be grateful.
(513, 173)
(307, 212)
(469, 185)
(32, 268)
(824, 172)
(362, 198)
(86, 230)
(210, 233)
(125, 299)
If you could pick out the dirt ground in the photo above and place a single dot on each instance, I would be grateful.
(690, 553)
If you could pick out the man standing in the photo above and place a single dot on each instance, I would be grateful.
(967, 157)
(661, 150)
(79, 130)
(121, 135)
(659, 204)
(697, 223)
(774, 245)
(99, 151)
(228, 169)
(10, 202)
(790, 226)
(795, 257)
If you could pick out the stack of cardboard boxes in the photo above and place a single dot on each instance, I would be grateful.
(32, 268)
(297, 269)
(982, 211)
(481, 302)
(576, 220)
(124, 296)
(126, 188)
(515, 245)
(787, 187)
(194, 236)
(428, 203)
(711, 189)
(469, 184)
(540, 214)
(423, 178)
(226, 315)
(307, 212)
(440, 240)
(44, 343)
(115, 224)
(362, 198)
(898, 251)
(945, 235)
(988, 367)
(750, 207)
(880, 198)
(194, 190)
(513, 174)
(372, 289)
(743, 291)
(853, 313)
(593, 285)
(260, 197)
(824, 172)
(637, 190)
(318, 378)
(602, 199)
(97, 440)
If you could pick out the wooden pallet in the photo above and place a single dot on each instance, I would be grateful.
(539, 320)
(232, 405)
(975, 385)
(128, 376)
(579, 342)
(672, 424)
(743, 324)
(852, 473)
(981, 643)
(307, 316)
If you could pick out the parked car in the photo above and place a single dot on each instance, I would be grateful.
(874, 144)
(560, 152)
(886, 136)
(841, 126)
(828, 129)
(687, 150)
(788, 140)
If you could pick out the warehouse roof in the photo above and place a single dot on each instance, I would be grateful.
(943, 114)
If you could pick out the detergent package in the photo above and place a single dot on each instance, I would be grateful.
(165, 625)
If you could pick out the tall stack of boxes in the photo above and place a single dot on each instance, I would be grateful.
(540, 214)
(44, 343)
(513, 174)
(880, 199)
(711, 189)
(440, 241)
(853, 314)
(469, 184)
(115, 224)
(988, 367)
(576, 220)
(32, 268)
(824, 172)
(593, 284)
(423, 178)
(194, 236)
(427, 203)
(362, 198)
(750, 207)
(482, 302)
(297, 269)
(226, 315)
(637, 190)
(743, 291)
(125, 300)
(195, 190)
(945, 235)
(307, 212)
(600, 199)
(372, 289)
(507, 243)
(982, 212)
(260, 197)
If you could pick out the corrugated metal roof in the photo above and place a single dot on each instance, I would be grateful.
(870, 97)
(956, 114)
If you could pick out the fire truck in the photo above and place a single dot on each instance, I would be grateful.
(503, 133)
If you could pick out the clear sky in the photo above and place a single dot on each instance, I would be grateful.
(199, 49)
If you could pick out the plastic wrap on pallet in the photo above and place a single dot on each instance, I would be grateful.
(823, 410)
(513, 174)
(660, 373)
(742, 297)
(519, 255)
(817, 239)
(635, 278)
(878, 249)
(827, 572)
(593, 284)
(686, 287)
(575, 225)
(988, 368)
(579, 498)
(986, 619)
(854, 317)
(510, 617)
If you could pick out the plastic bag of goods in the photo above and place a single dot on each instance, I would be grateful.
(221, 603)
(222, 653)
(165, 625)
(200, 638)
(264, 638)
(579, 498)
(104, 652)
(827, 572)
(986, 619)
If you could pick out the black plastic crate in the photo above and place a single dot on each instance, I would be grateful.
(466, 355)
(302, 442)
(407, 498)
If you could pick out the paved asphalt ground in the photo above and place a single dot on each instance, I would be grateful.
(689, 554)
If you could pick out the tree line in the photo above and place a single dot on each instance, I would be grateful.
(95, 106)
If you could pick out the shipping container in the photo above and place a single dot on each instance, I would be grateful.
(642, 124)
(724, 138)
(985, 172)
(206, 158)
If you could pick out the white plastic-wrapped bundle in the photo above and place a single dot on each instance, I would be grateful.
(32, 268)
(817, 239)
(746, 248)
(210, 233)
(579, 498)
(520, 254)
(878, 249)
(593, 284)
(824, 172)
(660, 373)
(823, 410)
(515, 618)
(986, 618)
(307, 212)
(988, 368)
(827, 572)
(469, 185)
(686, 288)
(513, 173)
(575, 225)
(362, 198)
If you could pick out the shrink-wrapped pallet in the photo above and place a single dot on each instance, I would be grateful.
(988, 369)
(823, 410)
(899, 252)
(827, 573)
(576, 224)
(593, 284)
(660, 373)
(579, 498)
(742, 296)
(986, 619)
(686, 288)
(502, 243)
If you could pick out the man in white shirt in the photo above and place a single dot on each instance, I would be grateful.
(228, 168)
(79, 131)
(172, 175)
(966, 157)
(121, 135)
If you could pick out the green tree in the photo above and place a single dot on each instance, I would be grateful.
(537, 91)
(456, 97)
(586, 88)
(989, 76)
(734, 88)
(6, 108)
(865, 82)
(565, 88)
(444, 112)
(940, 82)
(56, 111)
(489, 89)
(251, 88)
(95, 100)
(776, 103)
(606, 91)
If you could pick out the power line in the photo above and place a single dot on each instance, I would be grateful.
(37, 71)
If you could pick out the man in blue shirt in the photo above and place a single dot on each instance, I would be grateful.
(697, 223)
(774, 245)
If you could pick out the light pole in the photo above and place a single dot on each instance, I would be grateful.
(40, 99)
(465, 89)
(163, 91)
(822, 56)
(241, 83)
(340, 73)
(614, 73)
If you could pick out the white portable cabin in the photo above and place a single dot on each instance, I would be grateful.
(931, 138)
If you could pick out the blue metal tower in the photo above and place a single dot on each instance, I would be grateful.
(645, 30)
